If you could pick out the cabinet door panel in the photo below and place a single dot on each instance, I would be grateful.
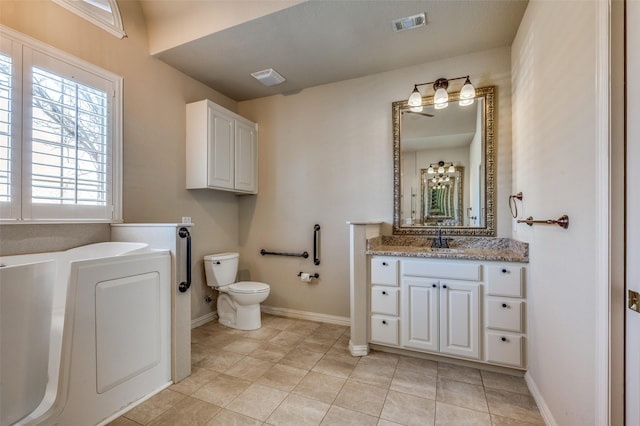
(460, 318)
(221, 150)
(246, 156)
(420, 314)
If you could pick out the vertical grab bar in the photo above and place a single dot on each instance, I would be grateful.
(316, 244)
(184, 285)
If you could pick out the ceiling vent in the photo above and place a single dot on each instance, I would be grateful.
(268, 77)
(410, 22)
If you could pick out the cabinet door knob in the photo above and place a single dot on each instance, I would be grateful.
(504, 305)
(504, 339)
(384, 293)
(444, 286)
(433, 285)
(385, 323)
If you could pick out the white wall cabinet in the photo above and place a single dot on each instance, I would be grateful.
(465, 309)
(222, 149)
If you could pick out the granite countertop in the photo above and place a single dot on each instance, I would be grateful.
(467, 248)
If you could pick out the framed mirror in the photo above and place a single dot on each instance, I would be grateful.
(444, 167)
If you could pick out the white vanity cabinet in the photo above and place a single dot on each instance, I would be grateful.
(440, 311)
(505, 313)
(467, 309)
(222, 149)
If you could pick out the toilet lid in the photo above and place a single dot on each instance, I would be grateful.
(248, 287)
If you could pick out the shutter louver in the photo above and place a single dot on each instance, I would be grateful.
(5, 128)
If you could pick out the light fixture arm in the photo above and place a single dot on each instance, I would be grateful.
(441, 82)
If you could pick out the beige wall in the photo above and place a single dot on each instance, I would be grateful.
(556, 111)
(325, 157)
(154, 135)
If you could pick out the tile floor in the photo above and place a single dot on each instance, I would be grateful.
(295, 372)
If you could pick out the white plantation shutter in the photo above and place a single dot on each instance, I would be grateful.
(64, 161)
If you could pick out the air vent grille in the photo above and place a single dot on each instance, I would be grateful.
(410, 22)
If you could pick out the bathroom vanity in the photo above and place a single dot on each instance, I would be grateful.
(467, 302)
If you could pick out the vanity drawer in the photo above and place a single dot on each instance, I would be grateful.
(504, 280)
(504, 348)
(449, 270)
(384, 300)
(505, 314)
(384, 330)
(384, 271)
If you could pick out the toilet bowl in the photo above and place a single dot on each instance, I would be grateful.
(238, 302)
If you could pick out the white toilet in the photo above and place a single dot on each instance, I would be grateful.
(238, 302)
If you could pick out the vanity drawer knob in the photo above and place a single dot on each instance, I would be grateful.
(444, 286)
(384, 293)
(504, 270)
(504, 305)
(433, 285)
(384, 264)
(385, 323)
(504, 339)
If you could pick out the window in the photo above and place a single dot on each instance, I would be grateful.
(103, 13)
(60, 135)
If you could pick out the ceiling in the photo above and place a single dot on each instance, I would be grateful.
(323, 41)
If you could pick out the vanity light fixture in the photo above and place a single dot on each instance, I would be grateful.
(441, 96)
(440, 168)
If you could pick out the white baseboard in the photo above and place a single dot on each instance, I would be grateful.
(311, 316)
(358, 350)
(542, 406)
(197, 322)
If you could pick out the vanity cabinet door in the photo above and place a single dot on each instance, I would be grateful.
(460, 318)
(420, 313)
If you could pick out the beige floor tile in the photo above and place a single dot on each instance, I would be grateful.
(301, 358)
(335, 366)
(330, 330)
(361, 397)
(338, 416)
(257, 401)
(514, 406)
(461, 394)
(281, 323)
(190, 412)
(418, 383)
(220, 361)
(263, 333)
(222, 390)
(282, 377)
(376, 356)
(408, 409)
(418, 364)
(297, 410)
(286, 339)
(504, 382)
(229, 418)
(155, 406)
(451, 415)
(123, 421)
(460, 373)
(505, 421)
(242, 346)
(198, 378)
(304, 328)
(270, 352)
(383, 422)
(249, 368)
(320, 386)
(374, 372)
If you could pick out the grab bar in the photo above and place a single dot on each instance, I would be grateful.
(562, 221)
(316, 244)
(184, 285)
(265, 252)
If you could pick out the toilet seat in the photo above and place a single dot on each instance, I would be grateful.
(248, 287)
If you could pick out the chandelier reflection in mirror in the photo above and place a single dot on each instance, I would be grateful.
(441, 168)
(441, 96)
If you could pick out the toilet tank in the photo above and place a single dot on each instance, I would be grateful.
(221, 269)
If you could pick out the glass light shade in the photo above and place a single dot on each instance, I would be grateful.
(452, 169)
(447, 179)
(415, 100)
(441, 169)
(419, 108)
(441, 106)
(467, 91)
(434, 180)
(466, 102)
(441, 96)
(430, 170)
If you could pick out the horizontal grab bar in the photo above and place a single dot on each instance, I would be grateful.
(265, 252)
(562, 221)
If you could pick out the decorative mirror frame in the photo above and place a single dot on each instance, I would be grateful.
(489, 230)
(459, 184)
